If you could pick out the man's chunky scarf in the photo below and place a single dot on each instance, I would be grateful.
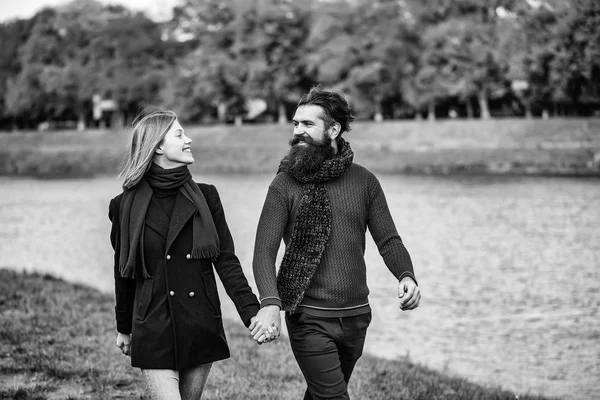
(311, 229)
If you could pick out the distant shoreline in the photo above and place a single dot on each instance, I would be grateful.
(556, 148)
(435, 171)
(48, 169)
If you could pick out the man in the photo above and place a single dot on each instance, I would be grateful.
(321, 204)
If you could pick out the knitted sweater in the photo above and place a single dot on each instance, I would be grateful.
(339, 285)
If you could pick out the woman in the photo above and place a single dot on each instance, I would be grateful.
(168, 232)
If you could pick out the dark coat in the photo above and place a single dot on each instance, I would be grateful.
(174, 316)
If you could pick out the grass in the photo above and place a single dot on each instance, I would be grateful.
(57, 341)
(562, 147)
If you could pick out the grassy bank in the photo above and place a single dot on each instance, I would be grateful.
(562, 147)
(57, 342)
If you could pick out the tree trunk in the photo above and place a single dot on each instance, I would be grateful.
(528, 113)
(238, 121)
(378, 114)
(470, 112)
(431, 111)
(545, 114)
(118, 120)
(222, 112)
(282, 118)
(81, 122)
(483, 104)
(418, 116)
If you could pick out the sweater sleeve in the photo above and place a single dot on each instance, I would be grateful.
(228, 265)
(382, 228)
(271, 227)
(124, 287)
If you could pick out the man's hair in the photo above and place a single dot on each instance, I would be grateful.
(334, 104)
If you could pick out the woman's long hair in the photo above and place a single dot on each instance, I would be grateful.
(149, 129)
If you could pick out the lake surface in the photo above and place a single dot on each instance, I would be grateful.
(509, 268)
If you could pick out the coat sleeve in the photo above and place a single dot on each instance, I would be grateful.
(228, 265)
(124, 287)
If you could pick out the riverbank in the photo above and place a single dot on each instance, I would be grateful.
(58, 342)
(558, 147)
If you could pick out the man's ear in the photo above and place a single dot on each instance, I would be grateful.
(334, 131)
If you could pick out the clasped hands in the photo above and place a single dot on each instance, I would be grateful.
(266, 325)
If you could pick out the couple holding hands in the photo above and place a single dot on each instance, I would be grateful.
(170, 236)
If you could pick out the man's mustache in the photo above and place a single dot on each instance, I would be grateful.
(303, 139)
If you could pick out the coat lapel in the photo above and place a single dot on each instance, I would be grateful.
(182, 212)
(157, 219)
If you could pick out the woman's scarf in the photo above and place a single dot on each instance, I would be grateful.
(132, 216)
(311, 230)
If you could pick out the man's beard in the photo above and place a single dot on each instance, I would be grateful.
(303, 160)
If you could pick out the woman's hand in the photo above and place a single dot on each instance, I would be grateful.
(124, 343)
(266, 326)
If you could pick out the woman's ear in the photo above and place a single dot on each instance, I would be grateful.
(159, 150)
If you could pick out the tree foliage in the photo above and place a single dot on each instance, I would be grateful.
(393, 58)
(78, 50)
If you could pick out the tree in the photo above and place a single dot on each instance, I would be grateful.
(528, 48)
(209, 78)
(81, 49)
(429, 85)
(128, 56)
(70, 80)
(13, 35)
(332, 48)
(204, 83)
(576, 67)
(25, 97)
(272, 48)
(246, 49)
(460, 56)
(389, 50)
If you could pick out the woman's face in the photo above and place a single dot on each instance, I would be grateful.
(175, 150)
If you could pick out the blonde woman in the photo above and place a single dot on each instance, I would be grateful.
(170, 236)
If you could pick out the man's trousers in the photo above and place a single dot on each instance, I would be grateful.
(327, 350)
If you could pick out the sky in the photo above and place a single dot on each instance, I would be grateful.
(9, 9)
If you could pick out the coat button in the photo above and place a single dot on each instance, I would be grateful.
(192, 294)
(168, 257)
(188, 256)
(172, 293)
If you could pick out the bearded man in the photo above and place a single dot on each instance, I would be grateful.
(321, 204)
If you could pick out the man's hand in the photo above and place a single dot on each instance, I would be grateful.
(409, 294)
(266, 325)
(124, 343)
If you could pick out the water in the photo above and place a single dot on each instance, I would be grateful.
(508, 268)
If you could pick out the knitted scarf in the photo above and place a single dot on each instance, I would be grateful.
(311, 230)
(132, 215)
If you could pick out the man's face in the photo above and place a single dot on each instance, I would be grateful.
(309, 124)
(311, 143)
